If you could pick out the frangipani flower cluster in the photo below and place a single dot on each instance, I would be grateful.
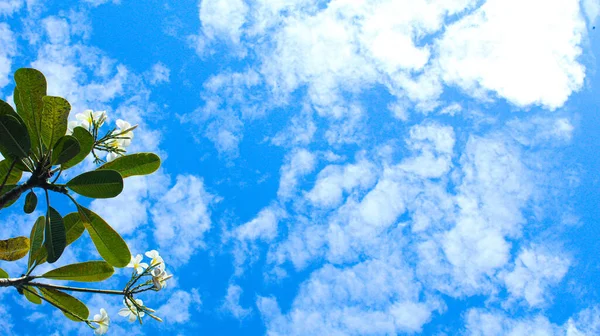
(114, 143)
(103, 321)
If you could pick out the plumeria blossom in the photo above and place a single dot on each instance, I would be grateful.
(71, 125)
(137, 264)
(131, 312)
(156, 259)
(159, 278)
(124, 126)
(103, 321)
(117, 146)
(89, 117)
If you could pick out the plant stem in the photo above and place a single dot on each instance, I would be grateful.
(76, 289)
(15, 193)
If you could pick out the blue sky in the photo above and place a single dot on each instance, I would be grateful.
(336, 167)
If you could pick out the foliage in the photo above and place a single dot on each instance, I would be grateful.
(38, 143)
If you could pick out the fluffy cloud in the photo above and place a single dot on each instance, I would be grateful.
(232, 302)
(180, 307)
(181, 217)
(500, 49)
(299, 163)
(8, 49)
(533, 273)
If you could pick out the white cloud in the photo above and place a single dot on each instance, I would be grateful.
(500, 48)
(335, 180)
(9, 7)
(592, 10)
(181, 217)
(534, 272)
(222, 19)
(159, 73)
(8, 49)
(299, 163)
(180, 307)
(372, 297)
(264, 226)
(232, 302)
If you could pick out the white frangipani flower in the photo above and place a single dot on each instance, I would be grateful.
(156, 259)
(160, 277)
(131, 312)
(103, 321)
(71, 125)
(88, 117)
(137, 264)
(117, 146)
(123, 126)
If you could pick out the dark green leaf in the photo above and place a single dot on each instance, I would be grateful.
(54, 119)
(72, 308)
(3, 274)
(97, 184)
(56, 239)
(27, 291)
(36, 238)
(66, 148)
(14, 139)
(134, 164)
(73, 227)
(89, 271)
(28, 94)
(15, 173)
(6, 189)
(14, 248)
(86, 142)
(30, 202)
(108, 242)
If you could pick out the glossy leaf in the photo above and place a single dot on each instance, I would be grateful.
(134, 164)
(28, 95)
(74, 229)
(89, 271)
(14, 248)
(30, 202)
(86, 142)
(54, 119)
(6, 189)
(72, 308)
(14, 139)
(15, 173)
(3, 274)
(27, 291)
(108, 242)
(97, 184)
(55, 235)
(36, 239)
(66, 148)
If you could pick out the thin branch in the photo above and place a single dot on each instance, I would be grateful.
(76, 289)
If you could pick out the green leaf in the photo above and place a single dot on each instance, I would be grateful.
(56, 239)
(74, 229)
(66, 148)
(14, 248)
(27, 291)
(134, 164)
(36, 239)
(97, 184)
(30, 202)
(14, 139)
(15, 173)
(54, 119)
(86, 142)
(28, 94)
(89, 271)
(6, 189)
(108, 242)
(72, 308)
(3, 274)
